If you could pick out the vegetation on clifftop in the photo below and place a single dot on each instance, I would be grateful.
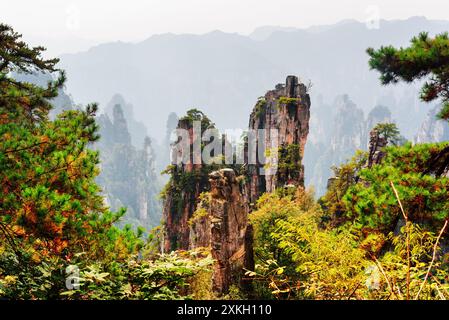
(378, 233)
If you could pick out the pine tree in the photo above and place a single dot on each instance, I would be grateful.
(50, 206)
(425, 58)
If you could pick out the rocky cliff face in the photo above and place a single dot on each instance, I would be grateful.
(128, 177)
(188, 180)
(286, 109)
(375, 148)
(206, 206)
(348, 131)
(221, 224)
(433, 129)
(136, 129)
(346, 135)
(120, 131)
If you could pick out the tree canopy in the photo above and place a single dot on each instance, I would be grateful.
(426, 57)
(53, 219)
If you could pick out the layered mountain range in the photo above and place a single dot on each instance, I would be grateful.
(222, 74)
(207, 205)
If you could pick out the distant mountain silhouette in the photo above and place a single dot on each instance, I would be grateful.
(223, 74)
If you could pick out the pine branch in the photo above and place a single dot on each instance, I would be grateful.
(435, 248)
(407, 230)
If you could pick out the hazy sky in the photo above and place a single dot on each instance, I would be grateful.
(67, 26)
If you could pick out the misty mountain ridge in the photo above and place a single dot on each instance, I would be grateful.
(223, 74)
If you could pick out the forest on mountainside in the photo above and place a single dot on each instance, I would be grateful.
(380, 231)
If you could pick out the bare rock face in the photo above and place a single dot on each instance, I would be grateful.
(120, 126)
(287, 110)
(188, 180)
(432, 128)
(222, 225)
(128, 176)
(337, 131)
(375, 148)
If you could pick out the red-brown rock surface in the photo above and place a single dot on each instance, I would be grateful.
(287, 110)
(223, 226)
(188, 181)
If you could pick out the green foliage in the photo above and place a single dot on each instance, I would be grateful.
(287, 101)
(202, 208)
(49, 202)
(351, 245)
(372, 203)
(389, 132)
(295, 257)
(344, 177)
(27, 101)
(261, 106)
(395, 267)
(53, 220)
(328, 263)
(167, 277)
(234, 293)
(425, 57)
(200, 284)
(289, 162)
(197, 115)
(183, 184)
